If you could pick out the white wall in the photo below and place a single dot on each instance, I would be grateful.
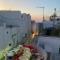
(6, 36)
(25, 24)
(51, 44)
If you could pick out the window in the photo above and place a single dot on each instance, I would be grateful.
(9, 58)
(48, 54)
(21, 16)
(59, 50)
(7, 32)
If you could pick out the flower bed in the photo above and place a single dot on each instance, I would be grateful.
(23, 52)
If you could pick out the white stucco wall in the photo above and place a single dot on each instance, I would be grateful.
(51, 44)
(10, 17)
(6, 36)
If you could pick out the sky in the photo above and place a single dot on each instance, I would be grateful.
(30, 6)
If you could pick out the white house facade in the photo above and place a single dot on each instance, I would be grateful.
(13, 27)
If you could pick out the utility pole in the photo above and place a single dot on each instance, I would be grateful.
(43, 11)
(54, 16)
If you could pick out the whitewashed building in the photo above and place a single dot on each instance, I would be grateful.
(47, 24)
(51, 24)
(13, 27)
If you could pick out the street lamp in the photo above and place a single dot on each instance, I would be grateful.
(43, 11)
